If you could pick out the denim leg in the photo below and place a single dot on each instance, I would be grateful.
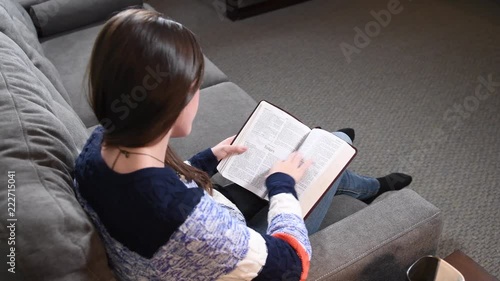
(313, 221)
(343, 136)
(357, 186)
(349, 183)
(352, 184)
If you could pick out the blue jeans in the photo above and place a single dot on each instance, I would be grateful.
(352, 184)
(349, 183)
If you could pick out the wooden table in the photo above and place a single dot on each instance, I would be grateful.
(468, 267)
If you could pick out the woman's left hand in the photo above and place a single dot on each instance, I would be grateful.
(225, 149)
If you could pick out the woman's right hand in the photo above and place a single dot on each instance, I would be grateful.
(294, 166)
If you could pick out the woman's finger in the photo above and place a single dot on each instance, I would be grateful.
(306, 164)
(297, 158)
(234, 149)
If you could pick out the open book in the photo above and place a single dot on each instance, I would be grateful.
(271, 134)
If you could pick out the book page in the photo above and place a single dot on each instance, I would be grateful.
(270, 135)
(330, 156)
(321, 148)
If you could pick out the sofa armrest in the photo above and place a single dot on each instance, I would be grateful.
(378, 242)
(55, 16)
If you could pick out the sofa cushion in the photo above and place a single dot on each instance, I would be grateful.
(213, 75)
(13, 26)
(55, 16)
(342, 206)
(70, 54)
(18, 12)
(378, 242)
(41, 138)
(28, 3)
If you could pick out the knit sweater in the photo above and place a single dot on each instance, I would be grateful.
(155, 226)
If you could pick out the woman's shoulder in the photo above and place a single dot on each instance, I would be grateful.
(91, 166)
(95, 138)
(93, 143)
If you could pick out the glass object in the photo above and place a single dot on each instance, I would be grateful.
(430, 268)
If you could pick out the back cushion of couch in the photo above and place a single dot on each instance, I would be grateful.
(28, 3)
(19, 13)
(16, 24)
(41, 136)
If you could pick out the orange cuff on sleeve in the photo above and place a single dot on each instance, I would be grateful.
(301, 252)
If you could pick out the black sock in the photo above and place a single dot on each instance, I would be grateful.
(394, 181)
(349, 132)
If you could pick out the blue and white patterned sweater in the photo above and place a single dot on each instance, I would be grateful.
(157, 227)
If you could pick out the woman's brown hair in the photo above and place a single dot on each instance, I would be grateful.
(143, 71)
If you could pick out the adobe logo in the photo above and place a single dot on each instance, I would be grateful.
(363, 38)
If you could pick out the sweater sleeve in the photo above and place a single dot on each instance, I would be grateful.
(285, 220)
(288, 247)
(205, 161)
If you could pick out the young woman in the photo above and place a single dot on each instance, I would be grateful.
(159, 217)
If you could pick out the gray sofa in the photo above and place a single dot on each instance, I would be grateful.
(45, 121)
